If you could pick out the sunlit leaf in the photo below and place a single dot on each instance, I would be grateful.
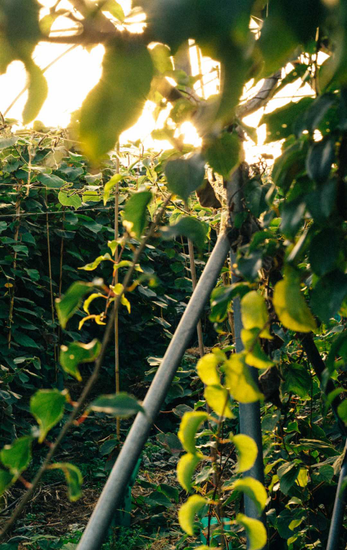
(161, 57)
(255, 529)
(76, 353)
(217, 398)
(254, 313)
(189, 227)
(69, 199)
(17, 457)
(121, 404)
(255, 357)
(37, 92)
(253, 489)
(290, 305)
(47, 406)
(135, 219)
(97, 261)
(90, 299)
(110, 185)
(187, 513)
(186, 468)
(117, 100)
(73, 478)
(115, 9)
(207, 369)
(185, 175)
(71, 301)
(188, 428)
(239, 381)
(247, 451)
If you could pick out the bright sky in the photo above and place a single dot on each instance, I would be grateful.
(75, 74)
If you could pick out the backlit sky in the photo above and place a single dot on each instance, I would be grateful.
(74, 75)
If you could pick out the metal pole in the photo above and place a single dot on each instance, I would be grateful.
(249, 412)
(113, 491)
(339, 508)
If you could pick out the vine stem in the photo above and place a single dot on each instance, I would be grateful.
(92, 379)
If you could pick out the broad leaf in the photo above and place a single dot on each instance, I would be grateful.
(187, 513)
(117, 100)
(188, 428)
(297, 379)
(280, 123)
(5, 480)
(253, 489)
(223, 153)
(189, 227)
(207, 369)
(342, 411)
(186, 468)
(185, 175)
(47, 406)
(71, 301)
(110, 185)
(256, 532)
(320, 157)
(255, 357)
(37, 93)
(221, 298)
(121, 404)
(239, 381)
(329, 294)
(290, 305)
(254, 313)
(288, 473)
(16, 457)
(247, 451)
(217, 398)
(70, 199)
(135, 219)
(324, 251)
(73, 478)
(76, 353)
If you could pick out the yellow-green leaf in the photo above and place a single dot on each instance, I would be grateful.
(188, 428)
(185, 469)
(290, 305)
(90, 299)
(239, 381)
(37, 92)
(254, 313)
(207, 369)
(73, 478)
(253, 489)
(135, 219)
(256, 532)
(110, 185)
(47, 406)
(255, 357)
(187, 513)
(97, 261)
(16, 457)
(247, 452)
(217, 398)
(76, 353)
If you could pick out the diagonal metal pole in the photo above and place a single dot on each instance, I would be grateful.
(339, 508)
(249, 412)
(116, 484)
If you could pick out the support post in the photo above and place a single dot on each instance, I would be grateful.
(113, 491)
(339, 508)
(249, 412)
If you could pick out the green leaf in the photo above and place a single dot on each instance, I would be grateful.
(320, 157)
(329, 294)
(71, 199)
(315, 113)
(253, 489)
(185, 175)
(5, 480)
(342, 411)
(255, 197)
(254, 313)
(76, 353)
(110, 185)
(161, 57)
(221, 298)
(186, 468)
(292, 214)
(324, 251)
(223, 153)
(217, 398)
(207, 369)
(239, 380)
(256, 532)
(255, 357)
(47, 406)
(97, 261)
(117, 100)
(290, 305)
(280, 123)
(114, 9)
(187, 513)
(51, 181)
(250, 265)
(71, 301)
(189, 227)
(135, 219)
(247, 451)
(73, 478)
(188, 428)
(297, 379)
(16, 457)
(37, 92)
(287, 473)
(121, 404)
(290, 165)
